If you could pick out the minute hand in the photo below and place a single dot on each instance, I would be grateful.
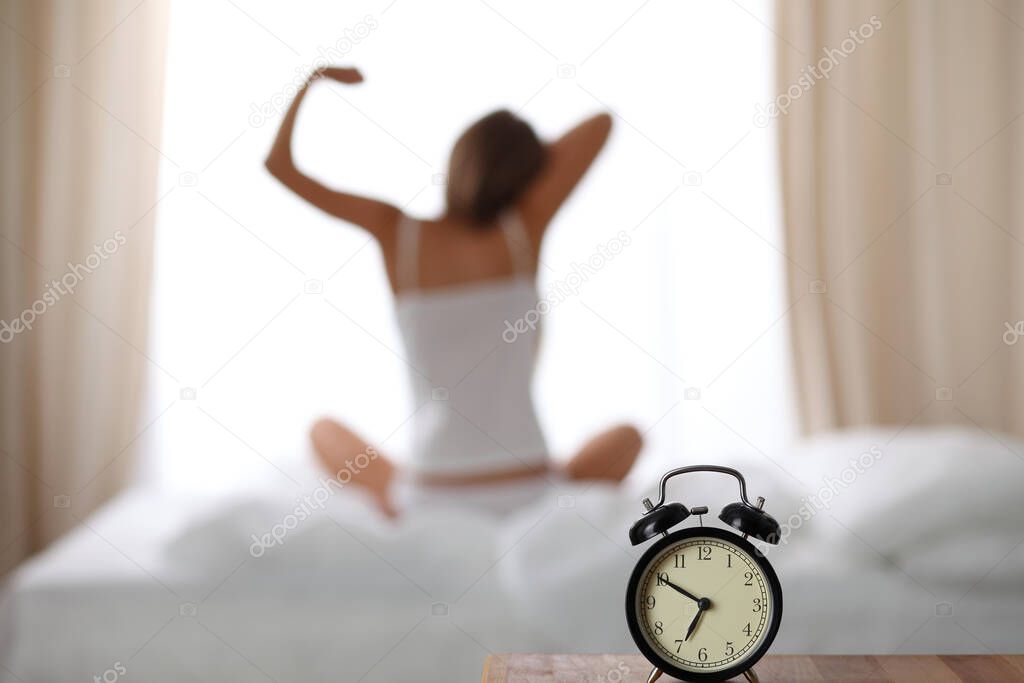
(681, 590)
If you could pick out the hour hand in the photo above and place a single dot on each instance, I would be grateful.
(702, 605)
(681, 590)
(693, 624)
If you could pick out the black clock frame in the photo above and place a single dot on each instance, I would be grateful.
(657, 659)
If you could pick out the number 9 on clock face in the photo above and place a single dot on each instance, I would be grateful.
(704, 604)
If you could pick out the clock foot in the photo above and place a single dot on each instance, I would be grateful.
(654, 675)
(751, 676)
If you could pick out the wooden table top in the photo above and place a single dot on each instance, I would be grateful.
(772, 669)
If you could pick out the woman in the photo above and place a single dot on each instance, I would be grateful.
(458, 280)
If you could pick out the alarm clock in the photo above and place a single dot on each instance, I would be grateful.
(703, 604)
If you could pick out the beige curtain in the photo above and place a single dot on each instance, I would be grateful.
(81, 101)
(902, 193)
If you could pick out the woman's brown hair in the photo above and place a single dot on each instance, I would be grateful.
(491, 164)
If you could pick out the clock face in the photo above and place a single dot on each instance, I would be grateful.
(704, 603)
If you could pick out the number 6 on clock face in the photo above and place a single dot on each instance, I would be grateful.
(705, 603)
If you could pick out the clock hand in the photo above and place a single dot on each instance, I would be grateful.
(702, 605)
(681, 590)
(693, 624)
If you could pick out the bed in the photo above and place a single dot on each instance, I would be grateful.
(916, 549)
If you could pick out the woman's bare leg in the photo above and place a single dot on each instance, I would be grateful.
(339, 449)
(608, 456)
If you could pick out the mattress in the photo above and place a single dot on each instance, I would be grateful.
(908, 552)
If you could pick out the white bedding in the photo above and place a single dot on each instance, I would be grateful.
(164, 588)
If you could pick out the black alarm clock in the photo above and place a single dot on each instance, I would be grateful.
(703, 604)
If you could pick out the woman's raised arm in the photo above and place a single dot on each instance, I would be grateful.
(568, 159)
(379, 218)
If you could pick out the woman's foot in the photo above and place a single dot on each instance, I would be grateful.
(608, 456)
(339, 450)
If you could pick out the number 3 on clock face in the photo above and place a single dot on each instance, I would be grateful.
(704, 604)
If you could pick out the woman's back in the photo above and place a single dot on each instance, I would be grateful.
(470, 377)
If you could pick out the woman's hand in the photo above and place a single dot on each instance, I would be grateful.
(341, 74)
(380, 218)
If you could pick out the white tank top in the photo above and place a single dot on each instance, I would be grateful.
(471, 384)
